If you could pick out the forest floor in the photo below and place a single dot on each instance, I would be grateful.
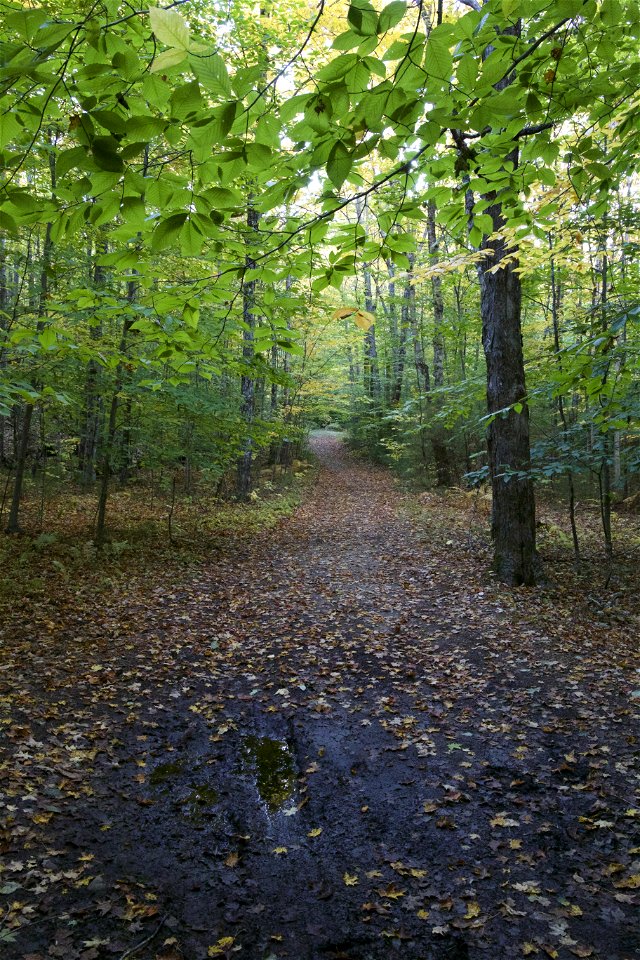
(338, 738)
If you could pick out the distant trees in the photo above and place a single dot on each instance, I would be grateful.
(464, 177)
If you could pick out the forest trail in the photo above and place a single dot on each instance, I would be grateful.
(328, 743)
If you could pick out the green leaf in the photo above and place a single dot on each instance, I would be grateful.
(167, 231)
(186, 100)
(170, 27)
(339, 164)
(167, 59)
(347, 41)
(212, 73)
(144, 128)
(68, 159)
(391, 15)
(105, 154)
(9, 129)
(363, 18)
(191, 240)
(467, 73)
(47, 338)
(437, 59)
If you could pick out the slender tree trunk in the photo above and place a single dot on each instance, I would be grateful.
(607, 446)
(4, 323)
(248, 386)
(90, 432)
(112, 422)
(398, 341)
(370, 364)
(555, 318)
(40, 307)
(439, 439)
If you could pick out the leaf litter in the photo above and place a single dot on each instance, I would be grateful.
(338, 738)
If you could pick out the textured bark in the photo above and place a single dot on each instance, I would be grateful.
(513, 521)
(39, 302)
(556, 301)
(410, 320)
(370, 365)
(439, 438)
(513, 526)
(90, 431)
(398, 342)
(112, 423)
(248, 385)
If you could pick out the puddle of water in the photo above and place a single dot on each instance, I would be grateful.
(197, 802)
(165, 772)
(202, 795)
(271, 763)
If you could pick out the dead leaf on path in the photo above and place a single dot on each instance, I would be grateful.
(350, 879)
(220, 948)
(502, 820)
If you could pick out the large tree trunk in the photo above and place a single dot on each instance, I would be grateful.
(513, 525)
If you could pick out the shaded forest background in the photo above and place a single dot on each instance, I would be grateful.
(223, 226)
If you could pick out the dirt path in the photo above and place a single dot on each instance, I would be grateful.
(327, 744)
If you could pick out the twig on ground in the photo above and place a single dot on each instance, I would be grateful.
(143, 943)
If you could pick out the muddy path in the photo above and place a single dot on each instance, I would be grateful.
(327, 743)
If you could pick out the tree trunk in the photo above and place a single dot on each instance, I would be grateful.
(398, 342)
(112, 422)
(89, 435)
(556, 298)
(39, 299)
(513, 524)
(248, 386)
(439, 440)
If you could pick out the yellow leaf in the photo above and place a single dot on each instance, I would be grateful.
(422, 914)
(232, 860)
(42, 817)
(391, 892)
(529, 948)
(515, 844)
(221, 947)
(501, 820)
(361, 318)
(473, 910)
(364, 319)
(350, 879)
(279, 850)
(315, 832)
(631, 883)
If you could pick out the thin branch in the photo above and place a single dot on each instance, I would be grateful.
(143, 943)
